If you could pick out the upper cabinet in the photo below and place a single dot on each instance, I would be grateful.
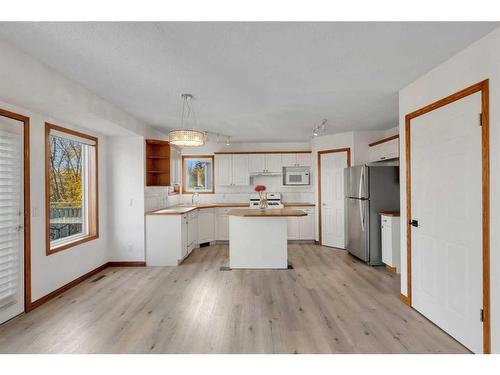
(223, 170)
(240, 175)
(256, 163)
(264, 163)
(296, 160)
(232, 170)
(385, 149)
(157, 163)
(175, 166)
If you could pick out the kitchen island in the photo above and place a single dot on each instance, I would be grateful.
(258, 238)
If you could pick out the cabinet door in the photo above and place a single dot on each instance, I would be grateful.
(273, 163)
(293, 228)
(223, 170)
(184, 237)
(192, 229)
(289, 160)
(206, 225)
(304, 160)
(392, 149)
(306, 225)
(256, 163)
(222, 225)
(240, 173)
(386, 241)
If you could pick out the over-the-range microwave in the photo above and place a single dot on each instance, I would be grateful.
(296, 176)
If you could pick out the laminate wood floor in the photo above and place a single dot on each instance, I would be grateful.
(329, 303)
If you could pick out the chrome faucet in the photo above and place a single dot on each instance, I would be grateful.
(193, 196)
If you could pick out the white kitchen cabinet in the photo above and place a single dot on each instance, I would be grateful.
(170, 238)
(304, 160)
(302, 228)
(223, 170)
(273, 163)
(240, 175)
(289, 160)
(192, 230)
(306, 225)
(384, 151)
(293, 228)
(232, 170)
(265, 163)
(175, 166)
(390, 227)
(206, 225)
(296, 160)
(256, 163)
(222, 224)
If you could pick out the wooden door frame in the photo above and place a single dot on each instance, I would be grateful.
(346, 150)
(483, 88)
(27, 210)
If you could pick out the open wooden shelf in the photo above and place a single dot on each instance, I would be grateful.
(157, 163)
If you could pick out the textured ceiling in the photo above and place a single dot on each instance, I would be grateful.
(252, 81)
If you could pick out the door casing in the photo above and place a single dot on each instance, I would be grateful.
(483, 88)
(346, 150)
(27, 210)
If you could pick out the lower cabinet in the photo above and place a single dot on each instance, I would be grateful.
(302, 228)
(390, 227)
(170, 238)
(206, 225)
(222, 224)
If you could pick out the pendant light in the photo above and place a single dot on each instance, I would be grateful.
(186, 137)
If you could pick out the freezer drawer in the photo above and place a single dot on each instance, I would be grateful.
(358, 227)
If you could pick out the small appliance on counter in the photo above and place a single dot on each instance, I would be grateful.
(273, 200)
(296, 176)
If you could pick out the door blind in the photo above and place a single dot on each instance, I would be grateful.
(10, 217)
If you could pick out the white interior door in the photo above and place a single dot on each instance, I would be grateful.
(332, 199)
(11, 219)
(446, 201)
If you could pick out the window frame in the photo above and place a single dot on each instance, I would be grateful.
(184, 158)
(91, 202)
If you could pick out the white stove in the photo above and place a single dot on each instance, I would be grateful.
(273, 200)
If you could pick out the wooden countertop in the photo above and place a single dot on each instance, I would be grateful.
(389, 213)
(181, 209)
(273, 212)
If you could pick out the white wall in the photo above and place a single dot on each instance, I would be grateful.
(126, 198)
(477, 62)
(31, 88)
(51, 272)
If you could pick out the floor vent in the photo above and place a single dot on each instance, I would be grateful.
(98, 278)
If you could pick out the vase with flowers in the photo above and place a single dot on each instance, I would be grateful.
(262, 196)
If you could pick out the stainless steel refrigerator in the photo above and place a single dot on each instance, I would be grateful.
(368, 190)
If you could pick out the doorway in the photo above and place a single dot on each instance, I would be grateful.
(15, 283)
(331, 164)
(447, 176)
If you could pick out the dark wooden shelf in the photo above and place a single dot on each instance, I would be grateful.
(157, 163)
(157, 157)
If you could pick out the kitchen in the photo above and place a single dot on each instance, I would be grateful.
(251, 188)
(201, 217)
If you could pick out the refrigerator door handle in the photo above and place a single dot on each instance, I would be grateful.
(362, 215)
(361, 178)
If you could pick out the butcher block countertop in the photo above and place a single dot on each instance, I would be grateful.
(181, 209)
(389, 213)
(273, 212)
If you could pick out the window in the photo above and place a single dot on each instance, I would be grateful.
(71, 188)
(198, 174)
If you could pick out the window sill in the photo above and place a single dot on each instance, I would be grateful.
(64, 246)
